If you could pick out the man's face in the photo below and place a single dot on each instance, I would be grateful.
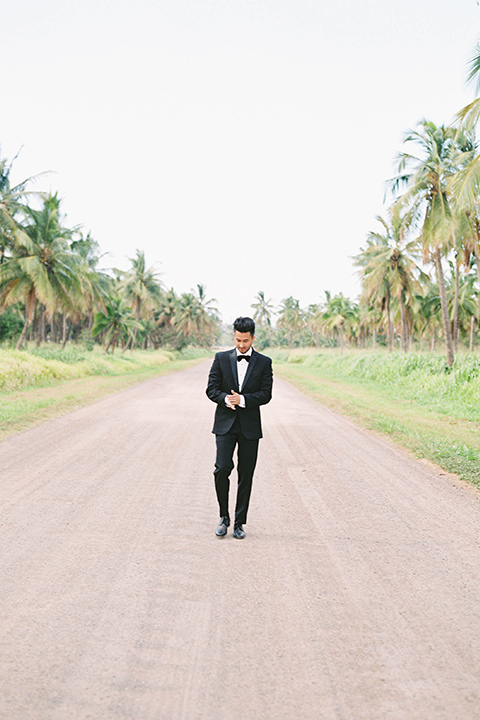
(243, 341)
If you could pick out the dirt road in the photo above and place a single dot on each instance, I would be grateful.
(355, 594)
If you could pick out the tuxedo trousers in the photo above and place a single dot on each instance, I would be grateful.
(247, 451)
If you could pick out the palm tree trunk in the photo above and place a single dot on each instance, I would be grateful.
(29, 315)
(455, 306)
(133, 338)
(472, 331)
(66, 332)
(389, 324)
(434, 340)
(22, 334)
(112, 343)
(447, 331)
(476, 243)
(404, 324)
(40, 326)
(53, 329)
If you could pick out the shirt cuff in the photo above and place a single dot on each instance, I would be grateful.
(242, 401)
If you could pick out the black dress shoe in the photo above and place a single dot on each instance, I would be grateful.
(238, 532)
(222, 527)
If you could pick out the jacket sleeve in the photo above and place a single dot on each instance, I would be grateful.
(264, 394)
(214, 386)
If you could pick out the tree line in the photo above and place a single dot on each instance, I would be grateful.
(51, 287)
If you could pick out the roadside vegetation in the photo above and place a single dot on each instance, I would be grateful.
(417, 400)
(49, 381)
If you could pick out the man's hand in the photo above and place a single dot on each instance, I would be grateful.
(233, 398)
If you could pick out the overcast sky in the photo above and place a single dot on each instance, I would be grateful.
(242, 144)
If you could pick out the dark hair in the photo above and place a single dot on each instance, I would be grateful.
(244, 325)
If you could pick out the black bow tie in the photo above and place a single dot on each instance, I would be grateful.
(243, 357)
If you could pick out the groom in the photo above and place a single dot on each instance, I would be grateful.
(240, 381)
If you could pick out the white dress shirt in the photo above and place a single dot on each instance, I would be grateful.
(242, 368)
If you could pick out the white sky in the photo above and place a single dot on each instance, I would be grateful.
(243, 144)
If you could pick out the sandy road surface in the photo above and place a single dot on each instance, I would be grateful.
(355, 594)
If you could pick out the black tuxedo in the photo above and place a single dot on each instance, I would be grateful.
(240, 427)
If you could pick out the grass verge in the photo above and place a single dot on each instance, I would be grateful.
(417, 402)
(32, 391)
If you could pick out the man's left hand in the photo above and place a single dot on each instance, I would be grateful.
(234, 398)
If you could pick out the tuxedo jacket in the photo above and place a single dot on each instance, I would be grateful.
(256, 389)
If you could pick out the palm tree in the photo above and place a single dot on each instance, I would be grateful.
(427, 311)
(193, 323)
(141, 288)
(340, 315)
(470, 114)
(313, 323)
(291, 320)
(201, 294)
(43, 269)
(369, 321)
(388, 271)
(465, 188)
(165, 315)
(428, 200)
(462, 301)
(11, 207)
(96, 284)
(263, 310)
(115, 323)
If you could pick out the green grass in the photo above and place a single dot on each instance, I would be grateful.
(41, 384)
(21, 369)
(415, 399)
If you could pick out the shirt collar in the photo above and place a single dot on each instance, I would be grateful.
(249, 352)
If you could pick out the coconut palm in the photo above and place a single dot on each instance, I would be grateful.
(313, 323)
(263, 310)
(11, 207)
(470, 114)
(465, 188)
(462, 300)
(141, 288)
(116, 323)
(206, 303)
(341, 316)
(165, 315)
(291, 320)
(389, 271)
(427, 311)
(97, 286)
(193, 323)
(428, 201)
(43, 269)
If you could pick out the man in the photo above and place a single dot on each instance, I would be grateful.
(240, 380)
